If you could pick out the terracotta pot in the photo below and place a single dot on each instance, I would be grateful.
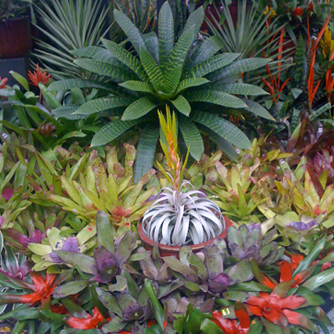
(174, 250)
(15, 38)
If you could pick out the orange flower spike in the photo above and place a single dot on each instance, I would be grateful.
(90, 322)
(3, 83)
(38, 76)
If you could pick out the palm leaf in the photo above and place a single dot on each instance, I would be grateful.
(182, 105)
(146, 148)
(102, 104)
(97, 53)
(111, 131)
(215, 97)
(191, 137)
(138, 109)
(223, 128)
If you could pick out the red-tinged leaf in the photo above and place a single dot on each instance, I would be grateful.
(298, 319)
(322, 31)
(271, 89)
(242, 315)
(286, 272)
(260, 277)
(280, 50)
(90, 322)
(284, 84)
(227, 325)
(291, 302)
(276, 317)
(255, 310)
(257, 301)
(282, 289)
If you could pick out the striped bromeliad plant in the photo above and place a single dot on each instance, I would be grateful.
(189, 74)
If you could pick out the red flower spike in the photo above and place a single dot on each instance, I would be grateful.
(38, 76)
(242, 315)
(90, 322)
(298, 11)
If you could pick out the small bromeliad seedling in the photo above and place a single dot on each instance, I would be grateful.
(180, 216)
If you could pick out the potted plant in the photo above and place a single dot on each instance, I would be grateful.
(179, 216)
(15, 38)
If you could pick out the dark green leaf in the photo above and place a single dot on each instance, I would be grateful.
(138, 109)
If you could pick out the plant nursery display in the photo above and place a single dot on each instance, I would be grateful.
(139, 190)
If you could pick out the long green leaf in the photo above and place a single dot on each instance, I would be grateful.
(138, 108)
(103, 103)
(237, 68)
(182, 105)
(146, 148)
(166, 34)
(106, 69)
(130, 30)
(67, 111)
(212, 64)
(125, 57)
(68, 84)
(111, 131)
(191, 82)
(241, 89)
(192, 137)
(222, 128)
(206, 50)
(138, 86)
(215, 97)
(176, 60)
(152, 69)
(257, 109)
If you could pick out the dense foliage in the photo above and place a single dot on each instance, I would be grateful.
(82, 172)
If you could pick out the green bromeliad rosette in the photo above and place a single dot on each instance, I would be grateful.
(180, 216)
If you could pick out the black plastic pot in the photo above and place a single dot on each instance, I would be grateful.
(15, 37)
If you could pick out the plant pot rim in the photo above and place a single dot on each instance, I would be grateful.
(176, 249)
(15, 18)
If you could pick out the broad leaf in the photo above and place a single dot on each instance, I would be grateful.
(182, 105)
(241, 89)
(191, 82)
(222, 128)
(68, 84)
(166, 34)
(138, 86)
(111, 131)
(106, 69)
(125, 57)
(67, 111)
(138, 109)
(215, 97)
(103, 103)
(130, 30)
(257, 109)
(146, 148)
(152, 69)
(205, 51)
(211, 65)
(191, 137)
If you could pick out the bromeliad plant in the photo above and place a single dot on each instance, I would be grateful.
(178, 216)
(161, 71)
